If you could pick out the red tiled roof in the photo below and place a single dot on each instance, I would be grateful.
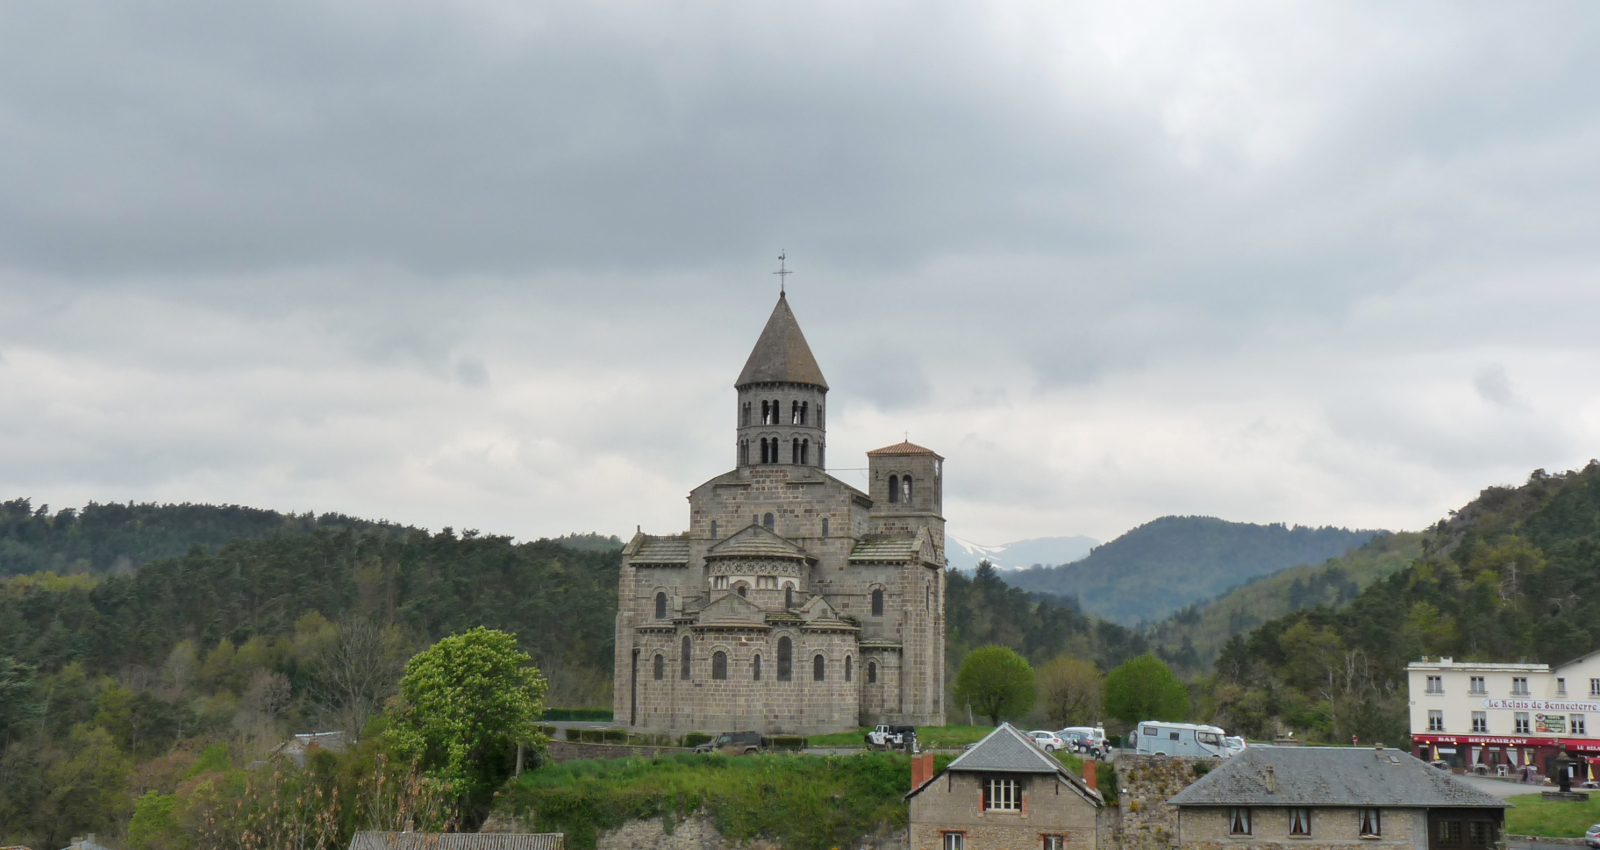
(903, 448)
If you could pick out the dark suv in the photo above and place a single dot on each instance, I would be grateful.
(733, 743)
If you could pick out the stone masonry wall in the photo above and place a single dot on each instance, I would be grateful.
(1331, 829)
(1144, 784)
(699, 833)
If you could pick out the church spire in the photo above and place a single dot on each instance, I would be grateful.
(781, 355)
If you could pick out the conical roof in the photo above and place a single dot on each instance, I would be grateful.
(781, 354)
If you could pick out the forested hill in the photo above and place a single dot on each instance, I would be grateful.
(1169, 563)
(1190, 639)
(105, 537)
(1513, 576)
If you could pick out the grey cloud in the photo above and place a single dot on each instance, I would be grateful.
(1494, 385)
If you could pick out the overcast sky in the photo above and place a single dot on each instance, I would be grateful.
(495, 264)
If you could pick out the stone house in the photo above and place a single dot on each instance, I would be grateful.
(1310, 798)
(1004, 793)
(795, 603)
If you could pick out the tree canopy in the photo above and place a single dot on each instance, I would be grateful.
(997, 682)
(466, 703)
(1144, 688)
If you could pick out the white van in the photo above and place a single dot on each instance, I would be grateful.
(1155, 737)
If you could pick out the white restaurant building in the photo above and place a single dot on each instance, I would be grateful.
(1505, 715)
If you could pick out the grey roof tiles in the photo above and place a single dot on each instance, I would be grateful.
(781, 355)
(1331, 776)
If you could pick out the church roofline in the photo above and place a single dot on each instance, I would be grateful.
(905, 447)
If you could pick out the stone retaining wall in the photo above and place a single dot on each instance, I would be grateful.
(699, 833)
(1144, 784)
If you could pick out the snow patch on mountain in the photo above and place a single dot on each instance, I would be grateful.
(964, 554)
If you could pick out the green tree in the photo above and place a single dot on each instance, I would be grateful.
(465, 705)
(1144, 688)
(997, 682)
(1071, 691)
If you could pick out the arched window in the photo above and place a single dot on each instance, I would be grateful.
(819, 669)
(661, 606)
(713, 529)
(848, 667)
(768, 522)
(877, 602)
(763, 449)
(927, 603)
(719, 665)
(905, 489)
(872, 672)
(742, 589)
(824, 526)
(744, 413)
(744, 452)
(794, 413)
(785, 659)
(755, 668)
(894, 489)
(766, 413)
(683, 661)
(805, 407)
(661, 667)
(788, 596)
(794, 452)
(805, 452)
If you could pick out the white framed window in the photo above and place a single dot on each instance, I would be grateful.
(1371, 823)
(766, 582)
(1300, 821)
(1001, 795)
(1480, 721)
(1579, 726)
(1522, 725)
(1435, 721)
(1519, 686)
(1476, 685)
(1054, 842)
(953, 840)
(1561, 686)
(1238, 821)
(1594, 687)
(719, 582)
(1435, 684)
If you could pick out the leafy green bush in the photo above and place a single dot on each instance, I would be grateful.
(801, 802)
(574, 734)
(695, 739)
(614, 736)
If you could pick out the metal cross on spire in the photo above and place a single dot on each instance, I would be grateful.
(783, 270)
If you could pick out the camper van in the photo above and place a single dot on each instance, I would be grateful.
(1154, 737)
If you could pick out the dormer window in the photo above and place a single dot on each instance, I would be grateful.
(894, 489)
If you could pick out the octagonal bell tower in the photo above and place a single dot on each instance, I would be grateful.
(782, 398)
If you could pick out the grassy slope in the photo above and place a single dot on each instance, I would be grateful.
(928, 737)
(1535, 815)
(1208, 625)
(799, 801)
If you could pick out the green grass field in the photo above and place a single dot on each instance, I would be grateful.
(928, 737)
(798, 801)
(1534, 815)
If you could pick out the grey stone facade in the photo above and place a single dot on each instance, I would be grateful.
(795, 603)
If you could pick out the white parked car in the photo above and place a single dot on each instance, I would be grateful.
(1047, 740)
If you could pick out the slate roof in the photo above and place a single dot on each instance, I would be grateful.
(662, 550)
(1331, 776)
(903, 448)
(755, 541)
(1006, 750)
(781, 354)
(456, 841)
(895, 549)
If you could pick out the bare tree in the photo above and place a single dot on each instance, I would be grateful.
(358, 671)
(1070, 691)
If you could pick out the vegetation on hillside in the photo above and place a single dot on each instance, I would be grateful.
(798, 801)
(1191, 638)
(1173, 562)
(115, 537)
(1509, 577)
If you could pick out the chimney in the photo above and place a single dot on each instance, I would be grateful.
(1272, 781)
(921, 769)
(1089, 776)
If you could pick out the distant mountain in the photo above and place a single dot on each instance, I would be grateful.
(1173, 562)
(964, 555)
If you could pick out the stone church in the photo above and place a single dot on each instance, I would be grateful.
(795, 603)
